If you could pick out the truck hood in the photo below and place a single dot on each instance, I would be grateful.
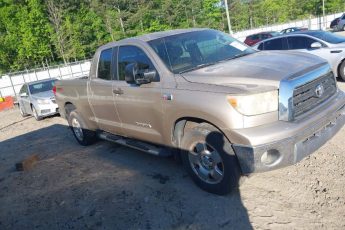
(256, 72)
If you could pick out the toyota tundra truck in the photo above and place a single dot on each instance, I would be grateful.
(225, 109)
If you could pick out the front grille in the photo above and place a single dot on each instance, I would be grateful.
(306, 97)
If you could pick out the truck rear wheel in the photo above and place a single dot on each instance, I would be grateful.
(82, 134)
(210, 160)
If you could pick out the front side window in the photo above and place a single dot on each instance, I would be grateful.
(189, 51)
(104, 65)
(23, 90)
(299, 42)
(132, 54)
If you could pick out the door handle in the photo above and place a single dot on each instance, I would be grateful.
(118, 91)
(336, 51)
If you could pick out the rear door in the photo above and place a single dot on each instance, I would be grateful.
(100, 92)
(139, 106)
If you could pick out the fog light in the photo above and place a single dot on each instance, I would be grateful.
(270, 157)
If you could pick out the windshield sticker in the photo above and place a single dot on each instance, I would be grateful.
(238, 45)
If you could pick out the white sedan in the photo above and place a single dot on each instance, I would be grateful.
(37, 98)
(321, 43)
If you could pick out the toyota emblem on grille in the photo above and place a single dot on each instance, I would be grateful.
(319, 90)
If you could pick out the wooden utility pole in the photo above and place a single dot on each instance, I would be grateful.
(228, 15)
(323, 14)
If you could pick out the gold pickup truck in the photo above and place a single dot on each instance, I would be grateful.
(225, 109)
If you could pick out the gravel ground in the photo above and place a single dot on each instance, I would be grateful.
(107, 186)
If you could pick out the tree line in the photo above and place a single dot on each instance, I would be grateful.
(41, 32)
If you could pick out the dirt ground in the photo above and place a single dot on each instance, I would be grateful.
(107, 186)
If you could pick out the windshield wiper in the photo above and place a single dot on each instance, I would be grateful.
(197, 67)
(236, 56)
(213, 63)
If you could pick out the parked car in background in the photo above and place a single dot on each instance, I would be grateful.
(293, 29)
(338, 23)
(223, 107)
(255, 38)
(334, 23)
(321, 43)
(37, 98)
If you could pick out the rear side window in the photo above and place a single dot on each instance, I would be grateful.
(274, 44)
(104, 65)
(260, 47)
(299, 42)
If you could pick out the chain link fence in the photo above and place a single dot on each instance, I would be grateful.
(11, 83)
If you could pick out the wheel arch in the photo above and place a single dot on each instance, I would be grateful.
(338, 67)
(69, 107)
(184, 124)
(31, 106)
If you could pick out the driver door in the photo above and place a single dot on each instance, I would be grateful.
(139, 106)
(303, 44)
(25, 100)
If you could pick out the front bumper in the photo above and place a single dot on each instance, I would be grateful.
(45, 110)
(290, 150)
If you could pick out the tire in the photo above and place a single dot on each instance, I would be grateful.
(34, 112)
(342, 70)
(82, 134)
(22, 113)
(210, 160)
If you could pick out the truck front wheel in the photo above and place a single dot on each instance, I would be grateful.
(210, 160)
(82, 134)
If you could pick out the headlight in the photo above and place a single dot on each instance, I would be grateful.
(43, 101)
(255, 104)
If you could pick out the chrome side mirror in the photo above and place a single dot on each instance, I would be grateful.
(316, 45)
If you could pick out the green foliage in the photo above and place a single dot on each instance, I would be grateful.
(33, 32)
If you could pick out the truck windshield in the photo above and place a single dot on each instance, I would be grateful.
(41, 86)
(189, 51)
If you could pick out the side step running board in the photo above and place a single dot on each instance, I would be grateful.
(135, 144)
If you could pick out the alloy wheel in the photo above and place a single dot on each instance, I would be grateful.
(206, 163)
(78, 131)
